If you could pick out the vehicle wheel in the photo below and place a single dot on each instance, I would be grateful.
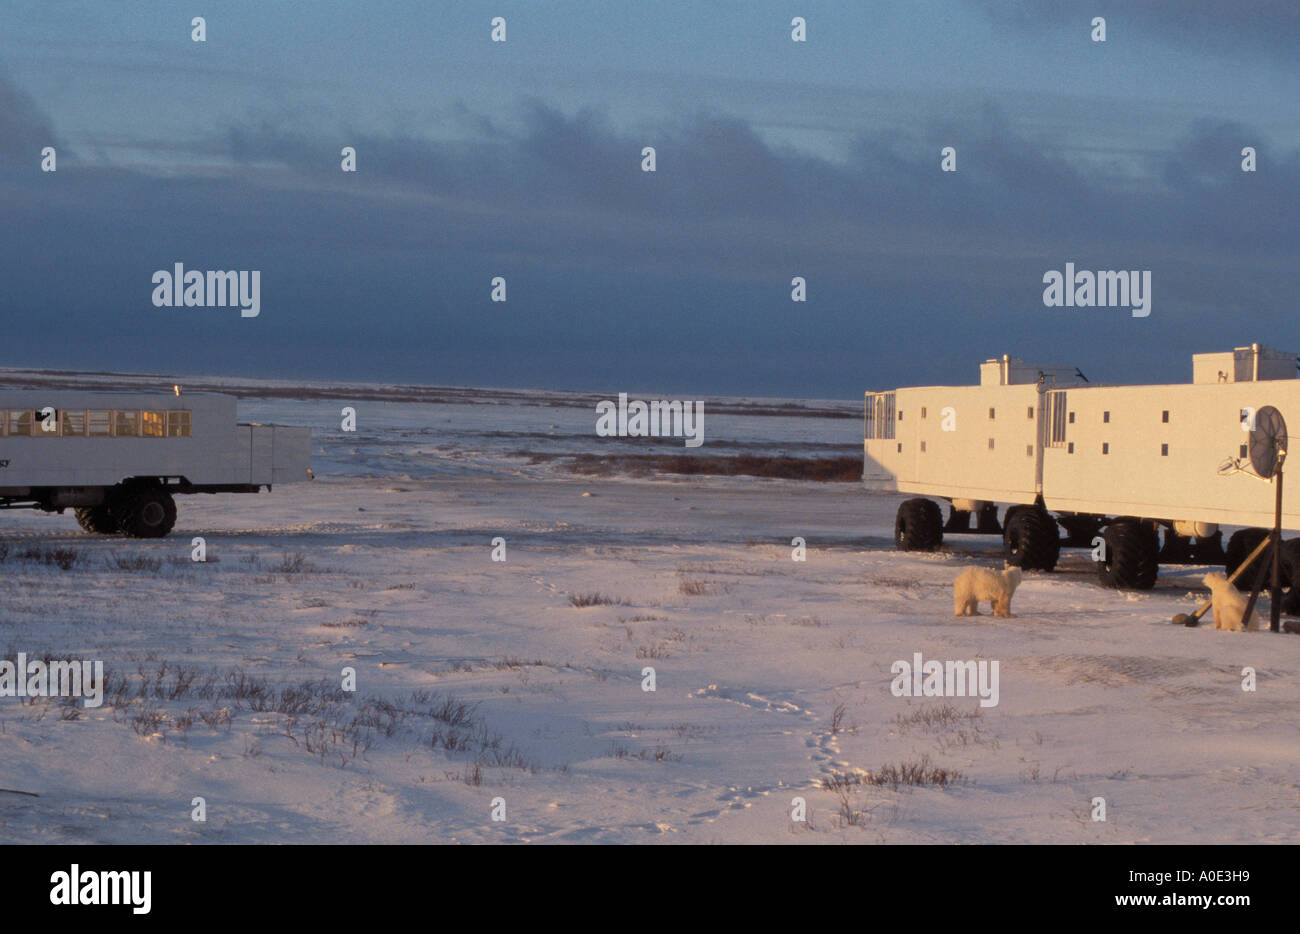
(1131, 557)
(96, 519)
(1240, 545)
(919, 525)
(1032, 539)
(146, 512)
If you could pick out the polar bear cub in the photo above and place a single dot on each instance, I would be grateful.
(1229, 605)
(975, 584)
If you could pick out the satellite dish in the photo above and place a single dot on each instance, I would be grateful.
(1267, 441)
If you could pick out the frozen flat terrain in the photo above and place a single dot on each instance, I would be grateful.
(773, 676)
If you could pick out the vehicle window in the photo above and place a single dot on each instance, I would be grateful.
(151, 424)
(128, 424)
(45, 424)
(178, 424)
(74, 424)
(99, 423)
(19, 423)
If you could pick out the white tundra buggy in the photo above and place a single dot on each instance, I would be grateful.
(117, 458)
(1119, 465)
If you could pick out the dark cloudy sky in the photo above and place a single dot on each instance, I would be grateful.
(775, 159)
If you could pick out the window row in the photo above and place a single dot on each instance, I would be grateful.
(95, 423)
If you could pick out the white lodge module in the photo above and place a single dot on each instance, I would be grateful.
(1127, 462)
(118, 458)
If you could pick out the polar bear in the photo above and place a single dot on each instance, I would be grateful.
(1229, 605)
(975, 584)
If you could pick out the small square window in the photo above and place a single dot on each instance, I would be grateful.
(1031, 411)
(992, 413)
(1071, 418)
(900, 447)
(1164, 450)
(1105, 448)
(1164, 416)
(1029, 450)
(990, 444)
(922, 447)
(1105, 417)
(923, 411)
(1243, 451)
(900, 415)
(1069, 448)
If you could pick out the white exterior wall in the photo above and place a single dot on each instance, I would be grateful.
(1204, 429)
(923, 458)
(217, 451)
(1133, 478)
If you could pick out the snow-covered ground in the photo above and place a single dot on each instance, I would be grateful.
(772, 675)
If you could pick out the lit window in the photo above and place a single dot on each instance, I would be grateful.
(151, 424)
(128, 424)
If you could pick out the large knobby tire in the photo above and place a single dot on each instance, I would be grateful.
(96, 519)
(919, 525)
(146, 512)
(1131, 557)
(1240, 545)
(1032, 539)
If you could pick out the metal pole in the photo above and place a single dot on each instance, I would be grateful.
(1275, 598)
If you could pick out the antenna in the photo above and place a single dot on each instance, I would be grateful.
(1267, 446)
